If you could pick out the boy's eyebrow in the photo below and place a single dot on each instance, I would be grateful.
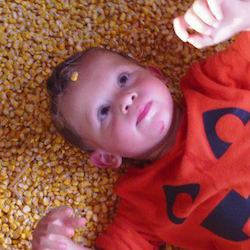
(127, 65)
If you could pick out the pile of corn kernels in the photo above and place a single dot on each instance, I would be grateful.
(38, 169)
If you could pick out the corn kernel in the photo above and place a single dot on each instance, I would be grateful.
(59, 169)
(46, 201)
(74, 76)
(26, 209)
(5, 228)
(6, 209)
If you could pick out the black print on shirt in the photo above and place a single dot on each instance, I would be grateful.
(228, 219)
(171, 192)
(210, 118)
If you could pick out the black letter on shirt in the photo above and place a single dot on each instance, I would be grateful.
(171, 193)
(228, 219)
(210, 118)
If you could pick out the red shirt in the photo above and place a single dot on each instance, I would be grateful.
(198, 195)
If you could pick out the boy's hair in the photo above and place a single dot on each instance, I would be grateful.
(58, 82)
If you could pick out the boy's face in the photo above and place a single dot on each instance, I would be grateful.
(118, 106)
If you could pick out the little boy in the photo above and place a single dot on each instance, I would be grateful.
(195, 192)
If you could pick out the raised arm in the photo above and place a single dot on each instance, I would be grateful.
(213, 21)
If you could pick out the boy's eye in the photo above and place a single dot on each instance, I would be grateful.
(123, 78)
(103, 112)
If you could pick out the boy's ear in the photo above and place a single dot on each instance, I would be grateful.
(102, 159)
(157, 72)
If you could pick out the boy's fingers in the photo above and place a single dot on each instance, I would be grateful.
(75, 222)
(53, 242)
(180, 28)
(57, 242)
(59, 213)
(60, 230)
(201, 9)
(200, 41)
(215, 7)
(195, 23)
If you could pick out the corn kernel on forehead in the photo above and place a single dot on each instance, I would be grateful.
(74, 76)
(39, 170)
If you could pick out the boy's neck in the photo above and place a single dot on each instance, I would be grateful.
(170, 138)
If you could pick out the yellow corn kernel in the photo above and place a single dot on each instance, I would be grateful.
(59, 169)
(6, 208)
(67, 182)
(46, 201)
(74, 76)
(26, 209)
(57, 203)
(1, 238)
(5, 228)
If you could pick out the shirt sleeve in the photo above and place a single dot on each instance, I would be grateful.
(229, 68)
(242, 45)
(121, 235)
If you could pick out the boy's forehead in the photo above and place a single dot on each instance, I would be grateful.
(103, 60)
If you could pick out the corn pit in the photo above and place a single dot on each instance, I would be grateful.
(38, 169)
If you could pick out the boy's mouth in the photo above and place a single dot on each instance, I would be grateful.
(143, 112)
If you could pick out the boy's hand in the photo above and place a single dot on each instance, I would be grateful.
(54, 231)
(213, 21)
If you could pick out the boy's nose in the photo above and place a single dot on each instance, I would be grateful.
(127, 100)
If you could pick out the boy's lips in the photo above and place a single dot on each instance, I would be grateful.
(143, 112)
